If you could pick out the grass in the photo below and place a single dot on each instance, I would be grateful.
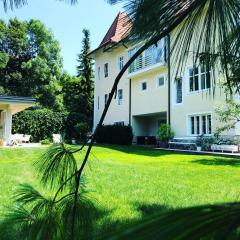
(130, 183)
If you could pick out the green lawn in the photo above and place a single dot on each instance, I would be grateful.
(132, 182)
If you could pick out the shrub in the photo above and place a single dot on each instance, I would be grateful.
(165, 133)
(199, 141)
(114, 134)
(40, 123)
(45, 142)
(81, 131)
(205, 142)
(75, 124)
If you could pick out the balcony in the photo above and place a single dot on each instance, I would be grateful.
(152, 57)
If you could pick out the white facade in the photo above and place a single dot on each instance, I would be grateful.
(144, 101)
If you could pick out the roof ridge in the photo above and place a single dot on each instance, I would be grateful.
(118, 30)
(110, 30)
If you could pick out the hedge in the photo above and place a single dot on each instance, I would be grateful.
(114, 134)
(40, 123)
(77, 126)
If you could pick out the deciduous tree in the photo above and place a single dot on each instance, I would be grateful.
(30, 62)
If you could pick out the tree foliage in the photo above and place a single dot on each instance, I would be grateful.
(228, 115)
(30, 62)
(39, 123)
(72, 94)
(78, 94)
(85, 75)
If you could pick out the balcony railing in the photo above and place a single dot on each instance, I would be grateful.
(155, 54)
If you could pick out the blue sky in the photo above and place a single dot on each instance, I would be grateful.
(66, 22)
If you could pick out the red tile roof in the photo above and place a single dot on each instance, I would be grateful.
(119, 30)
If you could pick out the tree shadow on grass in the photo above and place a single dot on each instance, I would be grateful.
(103, 224)
(11, 229)
(218, 162)
(148, 210)
(111, 227)
(138, 150)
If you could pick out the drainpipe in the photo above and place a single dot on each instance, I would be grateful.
(169, 79)
(130, 101)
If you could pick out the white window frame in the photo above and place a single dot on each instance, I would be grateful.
(141, 86)
(164, 78)
(119, 101)
(199, 80)
(120, 62)
(200, 114)
(106, 70)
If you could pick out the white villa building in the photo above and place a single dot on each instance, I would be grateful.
(8, 107)
(148, 95)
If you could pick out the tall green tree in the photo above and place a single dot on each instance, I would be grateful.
(30, 62)
(85, 75)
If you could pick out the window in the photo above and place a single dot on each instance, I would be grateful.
(199, 78)
(105, 99)
(179, 90)
(106, 70)
(205, 77)
(144, 86)
(120, 63)
(120, 97)
(121, 123)
(204, 125)
(98, 102)
(192, 125)
(193, 79)
(161, 81)
(209, 121)
(201, 124)
(197, 125)
(98, 73)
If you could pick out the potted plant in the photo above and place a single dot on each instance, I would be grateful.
(199, 143)
(165, 133)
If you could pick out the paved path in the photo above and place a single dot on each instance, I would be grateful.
(220, 154)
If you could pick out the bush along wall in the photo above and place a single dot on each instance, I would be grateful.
(40, 123)
(113, 134)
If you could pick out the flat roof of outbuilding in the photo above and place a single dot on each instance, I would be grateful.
(17, 99)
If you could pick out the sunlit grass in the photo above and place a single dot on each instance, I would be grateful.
(130, 182)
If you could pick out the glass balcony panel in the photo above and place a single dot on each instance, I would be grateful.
(151, 56)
